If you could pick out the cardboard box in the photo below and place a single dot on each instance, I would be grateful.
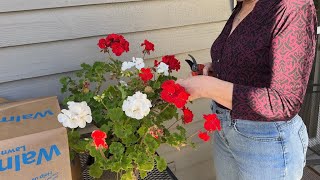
(33, 144)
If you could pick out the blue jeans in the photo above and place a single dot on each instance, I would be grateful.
(258, 150)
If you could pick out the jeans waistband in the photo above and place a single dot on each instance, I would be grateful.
(219, 109)
(226, 113)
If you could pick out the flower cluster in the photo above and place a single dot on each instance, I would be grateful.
(145, 74)
(77, 116)
(116, 42)
(174, 93)
(171, 61)
(187, 115)
(136, 62)
(155, 132)
(148, 46)
(163, 68)
(211, 124)
(99, 139)
(137, 106)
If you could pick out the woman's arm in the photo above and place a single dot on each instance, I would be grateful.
(291, 56)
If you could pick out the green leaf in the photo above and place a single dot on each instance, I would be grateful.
(161, 163)
(126, 163)
(151, 143)
(80, 146)
(106, 127)
(64, 83)
(129, 140)
(73, 136)
(128, 176)
(157, 85)
(95, 170)
(115, 114)
(143, 174)
(142, 131)
(94, 152)
(145, 162)
(169, 112)
(116, 166)
(116, 148)
(146, 166)
(119, 131)
(182, 130)
(123, 92)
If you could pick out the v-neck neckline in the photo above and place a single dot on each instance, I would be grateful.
(230, 34)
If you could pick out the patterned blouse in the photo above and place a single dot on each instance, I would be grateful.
(268, 57)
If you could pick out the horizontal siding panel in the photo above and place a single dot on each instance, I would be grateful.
(35, 60)
(50, 85)
(21, 5)
(29, 27)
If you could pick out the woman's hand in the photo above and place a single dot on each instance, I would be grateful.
(208, 87)
(194, 86)
(207, 70)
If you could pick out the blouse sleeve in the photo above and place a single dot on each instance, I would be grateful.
(292, 52)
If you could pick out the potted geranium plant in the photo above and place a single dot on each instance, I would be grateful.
(130, 113)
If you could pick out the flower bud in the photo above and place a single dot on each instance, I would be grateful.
(148, 89)
(85, 90)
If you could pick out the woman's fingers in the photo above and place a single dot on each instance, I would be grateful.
(206, 69)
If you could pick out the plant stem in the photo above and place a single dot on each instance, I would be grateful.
(192, 135)
(109, 54)
(144, 54)
(174, 123)
(102, 154)
(98, 87)
(104, 105)
(164, 108)
(144, 136)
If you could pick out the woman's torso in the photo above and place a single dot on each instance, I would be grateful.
(243, 57)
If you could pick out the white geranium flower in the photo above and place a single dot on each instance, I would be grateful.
(137, 106)
(67, 119)
(139, 63)
(127, 65)
(163, 68)
(78, 115)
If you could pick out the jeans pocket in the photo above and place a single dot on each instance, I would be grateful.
(257, 130)
(303, 135)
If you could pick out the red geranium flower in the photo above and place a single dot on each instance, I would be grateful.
(99, 139)
(102, 43)
(146, 74)
(98, 134)
(172, 62)
(100, 143)
(204, 136)
(148, 46)
(212, 122)
(187, 115)
(174, 93)
(116, 42)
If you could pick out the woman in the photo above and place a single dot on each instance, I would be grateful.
(261, 64)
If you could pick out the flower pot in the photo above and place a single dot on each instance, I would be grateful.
(85, 159)
(76, 168)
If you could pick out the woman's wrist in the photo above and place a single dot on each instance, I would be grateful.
(216, 89)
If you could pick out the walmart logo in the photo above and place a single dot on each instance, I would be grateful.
(27, 116)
